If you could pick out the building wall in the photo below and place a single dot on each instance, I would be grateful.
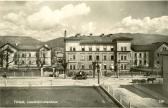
(26, 58)
(123, 54)
(82, 58)
(157, 59)
(165, 73)
(140, 59)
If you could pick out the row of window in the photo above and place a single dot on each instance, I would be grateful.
(123, 48)
(140, 55)
(123, 66)
(90, 57)
(123, 57)
(140, 62)
(91, 49)
(22, 62)
(73, 67)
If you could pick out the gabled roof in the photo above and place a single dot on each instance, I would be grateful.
(26, 47)
(2, 45)
(141, 47)
(148, 47)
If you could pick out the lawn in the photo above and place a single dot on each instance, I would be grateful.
(69, 96)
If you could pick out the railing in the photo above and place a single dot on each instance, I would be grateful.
(119, 97)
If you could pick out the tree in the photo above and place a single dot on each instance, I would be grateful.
(5, 56)
(41, 58)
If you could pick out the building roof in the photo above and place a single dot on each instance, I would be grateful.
(102, 39)
(122, 39)
(26, 47)
(141, 47)
(148, 47)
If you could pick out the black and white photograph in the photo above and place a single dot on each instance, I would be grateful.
(84, 54)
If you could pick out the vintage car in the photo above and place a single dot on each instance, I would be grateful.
(80, 75)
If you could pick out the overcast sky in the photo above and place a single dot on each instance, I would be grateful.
(45, 20)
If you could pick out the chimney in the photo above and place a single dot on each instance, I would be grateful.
(102, 35)
(77, 35)
(65, 34)
(90, 34)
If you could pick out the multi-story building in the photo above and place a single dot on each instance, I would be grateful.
(115, 54)
(148, 55)
(21, 56)
(82, 51)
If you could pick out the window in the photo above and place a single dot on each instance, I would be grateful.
(144, 55)
(121, 57)
(112, 49)
(83, 49)
(90, 57)
(158, 62)
(145, 62)
(125, 57)
(90, 66)
(70, 67)
(140, 62)
(29, 54)
(74, 67)
(125, 48)
(97, 49)
(104, 48)
(135, 55)
(140, 55)
(97, 57)
(122, 67)
(70, 57)
(122, 49)
(135, 62)
(125, 66)
(74, 49)
(164, 48)
(90, 48)
(112, 57)
(15, 62)
(74, 57)
(29, 62)
(105, 57)
(105, 66)
(83, 67)
(23, 62)
(70, 48)
(158, 54)
(23, 55)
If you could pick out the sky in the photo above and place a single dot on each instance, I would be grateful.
(46, 20)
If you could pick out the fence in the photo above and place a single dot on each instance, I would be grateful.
(118, 96)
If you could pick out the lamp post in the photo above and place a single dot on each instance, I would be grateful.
(96, 65)
(118, 68)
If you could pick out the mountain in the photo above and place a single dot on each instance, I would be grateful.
(58, 42)
(20, 40)
(141, 39)
(138, 39)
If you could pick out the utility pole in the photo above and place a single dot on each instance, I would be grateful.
(65, 65)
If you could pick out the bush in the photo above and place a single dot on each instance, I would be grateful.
(107, 74)
(70, 74)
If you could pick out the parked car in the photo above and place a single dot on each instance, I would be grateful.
(80, 75)
(52, 75)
